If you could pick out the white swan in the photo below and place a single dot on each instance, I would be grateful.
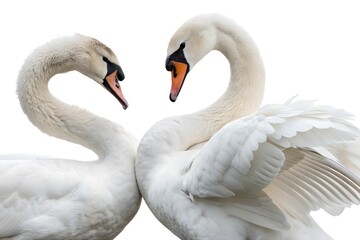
(67, 199)
(233, 171)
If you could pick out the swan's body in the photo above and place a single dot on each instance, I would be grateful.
(67, 199)
(233, 171)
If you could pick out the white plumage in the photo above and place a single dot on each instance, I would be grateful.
(44, 198)
(236, 171)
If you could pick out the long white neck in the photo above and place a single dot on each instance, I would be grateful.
(243, 95)
(246, 87)
(61, 120)
(247, 81)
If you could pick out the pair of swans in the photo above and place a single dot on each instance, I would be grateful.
(230, 171)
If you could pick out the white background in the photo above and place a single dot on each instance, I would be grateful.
(310, 48)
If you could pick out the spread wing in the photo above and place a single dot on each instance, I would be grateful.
(271, 153)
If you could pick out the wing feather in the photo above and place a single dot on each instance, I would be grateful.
(33, 189)
(273, 150)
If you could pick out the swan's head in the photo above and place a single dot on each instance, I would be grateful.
(190, 43)
(97, 61)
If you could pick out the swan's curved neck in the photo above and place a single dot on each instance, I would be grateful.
(243, 95)
(55, 117)
(247, 80)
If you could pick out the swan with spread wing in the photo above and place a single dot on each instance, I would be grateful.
(44, 198)
(237, 171)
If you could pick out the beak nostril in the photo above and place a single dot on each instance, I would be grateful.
(174, 71)
(117, 84)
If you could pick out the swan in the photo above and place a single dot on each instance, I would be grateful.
(49, 198)
(235, 170)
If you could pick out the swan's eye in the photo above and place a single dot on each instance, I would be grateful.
(106, 60)
(182, 45)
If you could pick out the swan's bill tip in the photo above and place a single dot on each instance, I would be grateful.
(112, 85)
(123, 102)
(172, 98)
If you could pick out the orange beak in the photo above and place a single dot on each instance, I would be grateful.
(178, 74)
(111, 82)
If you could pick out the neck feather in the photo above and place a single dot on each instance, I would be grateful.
(56, 118)
(246, 87)
(243, 95)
